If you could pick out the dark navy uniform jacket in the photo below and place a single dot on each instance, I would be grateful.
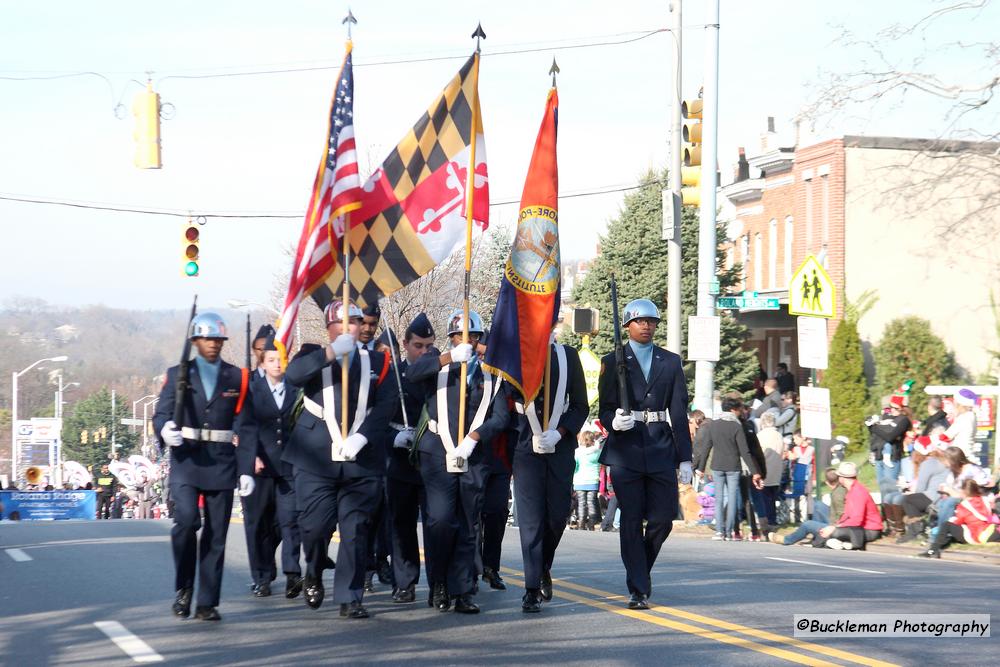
(205, 465)
(576, 408)
(265, 430)
(424, 374)
(400, 467)
(655, 447)
(309, 448)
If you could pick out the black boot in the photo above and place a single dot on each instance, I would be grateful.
(440, 599)
(369, 581)
(263, 590)
(293, 586)
(494, 579)
(385, 573)
(531, 603)
(465, 605)
(546, 589)
(354, 610)
(913, 531)
(182, 605)
(638, 601)
(207, 614)
(404, 595)
(314, 592)
(932, 552)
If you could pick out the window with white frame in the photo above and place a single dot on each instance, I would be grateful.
(772, 254)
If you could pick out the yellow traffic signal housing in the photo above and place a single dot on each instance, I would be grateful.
(83, 437)
(146, 109)
(191, 252)
(691, 156)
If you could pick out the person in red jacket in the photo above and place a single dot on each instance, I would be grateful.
(861, 521)
(974, 522)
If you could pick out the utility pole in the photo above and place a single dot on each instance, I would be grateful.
(704, 380)
(672, 197)
(113, 411)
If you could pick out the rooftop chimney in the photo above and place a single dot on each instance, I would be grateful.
(742, 167)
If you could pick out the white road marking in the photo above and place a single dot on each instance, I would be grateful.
(836, 567)
(134, 647)
(18, 555)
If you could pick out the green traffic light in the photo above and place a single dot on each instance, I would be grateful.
(191, 269)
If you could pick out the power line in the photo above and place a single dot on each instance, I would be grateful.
(257, 215)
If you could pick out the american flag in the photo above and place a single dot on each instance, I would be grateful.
(336, 192)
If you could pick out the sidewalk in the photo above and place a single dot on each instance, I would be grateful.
(988, 554)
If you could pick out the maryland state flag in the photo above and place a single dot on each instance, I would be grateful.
(528, 305)
(413, 207)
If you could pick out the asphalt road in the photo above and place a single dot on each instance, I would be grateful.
(714, 604)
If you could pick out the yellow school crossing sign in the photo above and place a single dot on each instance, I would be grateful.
(811, 292)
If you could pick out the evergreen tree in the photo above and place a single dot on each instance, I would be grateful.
(909, 350)
(634, 251)
(845, 378)
(93, 416)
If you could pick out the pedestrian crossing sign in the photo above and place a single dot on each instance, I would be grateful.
(811, 292)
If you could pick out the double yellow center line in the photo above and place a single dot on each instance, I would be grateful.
(677, 619)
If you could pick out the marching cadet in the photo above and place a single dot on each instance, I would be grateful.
(453, 467)
(404, 486)
(338, 481)
(646, 445)
(203, 463)
(371, 316)
(265, 425)
(264, 334)
(496, 496)
(543, 469)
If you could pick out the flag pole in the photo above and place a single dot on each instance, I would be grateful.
(396, 361)
(548, 350)
(345, 325)
(470, 185)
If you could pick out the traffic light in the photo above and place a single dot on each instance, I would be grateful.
(146, 109)
(83, 437)
(192, 237)
(691, 156)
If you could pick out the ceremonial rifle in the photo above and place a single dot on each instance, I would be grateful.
(620, 368)
(183, 369)
(248, 342)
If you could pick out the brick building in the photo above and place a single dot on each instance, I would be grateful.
(852, 201)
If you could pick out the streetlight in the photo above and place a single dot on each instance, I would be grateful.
(145, 423)
(140, 400)
(59, 395)
(13, 411)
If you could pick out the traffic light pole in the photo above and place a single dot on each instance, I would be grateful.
(674, 198)
(704, 380)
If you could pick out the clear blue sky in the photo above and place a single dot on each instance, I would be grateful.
(251, 143)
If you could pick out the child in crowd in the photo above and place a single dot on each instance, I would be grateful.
(974, 522)
(586, 480)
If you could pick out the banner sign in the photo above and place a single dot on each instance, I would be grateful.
(48, 505)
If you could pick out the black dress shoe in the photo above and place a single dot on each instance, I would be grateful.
(465, 605)
(404, 595)
(314, 592)
(385, 575)
(182, 605)
(638, 601)
(531, 603)
(546, 590)
(263, 590)
(495, 580)
(354, 610)
(369, 583)
(207, 614)
(293, 586)
(329, 564)
(440, 599)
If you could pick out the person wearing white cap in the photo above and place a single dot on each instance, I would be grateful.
(963, 429)
(861, 522)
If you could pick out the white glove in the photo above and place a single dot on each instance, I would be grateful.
(622, 421)
(246, 485)
(354, 444)
(403, 438)
(342, 344)
(461, 352)
(171, 434)
(685, 473)
(871, 421)
(464, 450)
(549, 439)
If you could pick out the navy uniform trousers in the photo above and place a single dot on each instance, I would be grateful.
(326, 505)
(405, 501)
(649, 496)
(380, 536)
(543, 488)
(496, 499)
(454, 502)
(272, 506)
(210, 553)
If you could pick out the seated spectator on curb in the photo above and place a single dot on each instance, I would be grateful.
(812, 527)
(974, 522)
(860, 523)
(932, 472)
